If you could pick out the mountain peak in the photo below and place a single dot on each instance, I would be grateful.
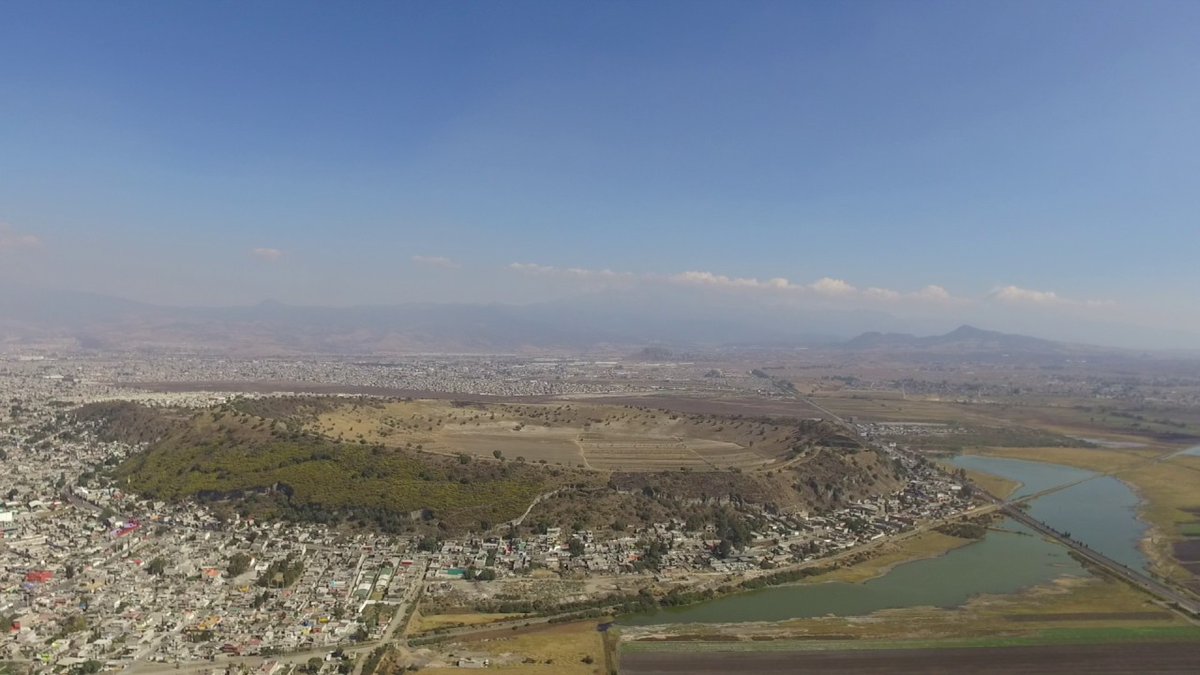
(969, 331)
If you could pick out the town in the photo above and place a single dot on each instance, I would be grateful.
(91, 576)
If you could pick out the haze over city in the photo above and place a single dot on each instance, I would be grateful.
(1028, 166)
(564, 337)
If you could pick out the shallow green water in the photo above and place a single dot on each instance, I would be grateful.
(1190, 452)
(1034, 477)
(1101, 512)
(1002, 562)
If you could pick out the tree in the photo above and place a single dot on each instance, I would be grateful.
(724, 549)
(497, 454)
(238, 564)
(157, 567)
(74, 624)
(314, 664)
(575, 546)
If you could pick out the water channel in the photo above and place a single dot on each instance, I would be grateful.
(1100, 512)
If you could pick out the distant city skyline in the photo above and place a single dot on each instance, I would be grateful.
(1026, 166)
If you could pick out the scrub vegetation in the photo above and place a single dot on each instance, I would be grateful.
(402, 465)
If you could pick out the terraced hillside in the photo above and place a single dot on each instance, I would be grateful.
(592, 436)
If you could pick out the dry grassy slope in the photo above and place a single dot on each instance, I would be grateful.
(830, 477)
(785, 465)
(571, 433)
(796, 465)
(270, 468)
(362, 454)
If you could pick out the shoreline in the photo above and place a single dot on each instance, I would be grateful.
(1145, 544)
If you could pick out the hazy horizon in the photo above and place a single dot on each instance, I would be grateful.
(1024, 167)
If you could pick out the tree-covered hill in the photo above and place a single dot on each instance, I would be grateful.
(270, 469)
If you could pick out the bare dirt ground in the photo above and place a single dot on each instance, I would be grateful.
(1165, 658)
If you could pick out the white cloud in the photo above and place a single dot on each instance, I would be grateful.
(532, 268)
(824, 288)
(267, 254)
(828, 286)
(436, 261)
(721, 281)
(572, 272)
(882, 293)
(10, 239)
(1017, 296)
(934, 292)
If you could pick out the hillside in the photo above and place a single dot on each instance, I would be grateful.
(457, 466)
(270, 468)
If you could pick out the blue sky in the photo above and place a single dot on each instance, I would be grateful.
(1033, 161)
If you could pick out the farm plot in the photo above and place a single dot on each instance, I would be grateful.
(599, 437)
(643, 453)
(727, 455)
(534, 444)
(663, 453)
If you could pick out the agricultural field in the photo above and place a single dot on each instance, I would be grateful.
(1000, 658)
(544, 445)
(884, 407)
(552, 649)
(584, 435)
(1023, 422)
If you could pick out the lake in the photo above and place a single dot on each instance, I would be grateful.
(1100, 512)
(1002, 562)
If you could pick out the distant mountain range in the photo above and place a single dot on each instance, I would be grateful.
(962, 339)
(68, 320)
(74, 320)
